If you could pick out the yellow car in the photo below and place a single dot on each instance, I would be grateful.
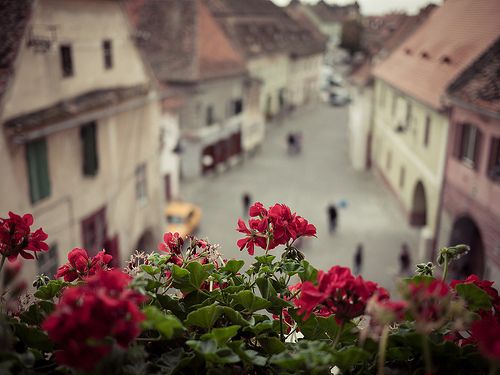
(182, 217)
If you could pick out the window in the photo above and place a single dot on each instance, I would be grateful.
(89, 149)
(47, 261)
(494, 162)
(210, 117)
(235, 107)
(107, 53)
(469, 145)
(427, 130)
(38, 169)
(66, 60)
(94, 231)
(402, 177)
(141, 191)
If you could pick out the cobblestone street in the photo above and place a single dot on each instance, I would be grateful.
(308, 182)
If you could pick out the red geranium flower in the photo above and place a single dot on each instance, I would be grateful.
(81, 265)
(172, 243)
(486, 332)
(485, 285)
(87, 316)
(16, 237)
(339, 293)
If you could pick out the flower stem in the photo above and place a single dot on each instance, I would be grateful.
(282, 336)
(427, 355)
(445, 271)
(2, 262)
(382, 346)
(337, 336)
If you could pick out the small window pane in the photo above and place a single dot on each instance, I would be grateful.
(38, 169)
(66, 60)
(88, 134)
(108, 54)
(140, 182)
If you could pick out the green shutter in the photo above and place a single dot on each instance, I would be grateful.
(38, 169)
(89, 149)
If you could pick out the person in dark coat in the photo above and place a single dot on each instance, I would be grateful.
(332, 217)
(358, 259)
(246, 203)
(404, 259)
(291, 143)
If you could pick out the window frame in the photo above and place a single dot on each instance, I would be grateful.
(66, 58)
(210, 115)
(494, 160)
(141, 185)
(469, 145)
(37, 168)
(89, 145)
(107, 51)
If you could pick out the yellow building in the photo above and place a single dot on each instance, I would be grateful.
(410, 119)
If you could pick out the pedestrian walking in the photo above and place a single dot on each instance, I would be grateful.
(404, 259)
(332, 217)
(291, 143)
(358, 259)
(246, 203)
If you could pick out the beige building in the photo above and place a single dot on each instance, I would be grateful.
(410, 120)
(79, 147)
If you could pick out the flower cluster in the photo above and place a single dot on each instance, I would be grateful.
(428, 303)
(81, 265)
(87, 316)
(339, 293)
(268, 228)
(485, 285)
(16, 237)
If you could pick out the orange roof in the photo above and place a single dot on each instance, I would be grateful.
(446, 43)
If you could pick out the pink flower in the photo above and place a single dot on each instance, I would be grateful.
(87, 316)
(16, 237)
(172, 243)
(81, 265)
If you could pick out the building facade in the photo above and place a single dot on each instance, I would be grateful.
(80, 120)
(471, 208)
(410, 120)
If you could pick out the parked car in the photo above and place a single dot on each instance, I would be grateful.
(182, 217)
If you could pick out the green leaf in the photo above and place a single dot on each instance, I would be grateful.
(167, 325)
(33, 337)
(208, 349)
(419, 279)
(476, 298)
(181, 279)
(272, 345)
(234, 316)
(197, 274)
(259, 328)
(49, 291)
(233, 266)
(309, 273)
(265, 287)
(173, 304)
(250, 301)
(265, 259)
(247, 355)
(349, 357)
(221, 335)
(204, 317)
(150, 270)
(37, 313)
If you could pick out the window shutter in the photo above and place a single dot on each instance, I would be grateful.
(89, 149)
(38, 169)
(477, 149)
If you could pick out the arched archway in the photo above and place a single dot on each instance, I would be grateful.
(418, 214)
(465, 231)
(146, 242)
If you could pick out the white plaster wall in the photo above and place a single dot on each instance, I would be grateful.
(304, 79)
(169, 161)
(84, 24)
(359, 125)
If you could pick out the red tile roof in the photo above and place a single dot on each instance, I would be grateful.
(447, 42)
(479, 85)
(182, 41)
(259, 27)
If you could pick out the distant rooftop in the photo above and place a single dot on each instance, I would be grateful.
(446, 43)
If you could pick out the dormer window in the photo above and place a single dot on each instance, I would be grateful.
(425, 55)
(408, 51)
(446, 60)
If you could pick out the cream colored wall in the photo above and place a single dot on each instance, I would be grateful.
(303, 76)
(124, 139)
(273, 72)
(360, 115)
(421, 163)
(84, 24)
